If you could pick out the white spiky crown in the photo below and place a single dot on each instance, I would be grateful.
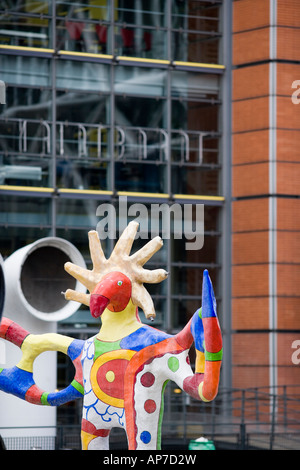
(119, 260)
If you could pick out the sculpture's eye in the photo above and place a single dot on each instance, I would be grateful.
(120, 283)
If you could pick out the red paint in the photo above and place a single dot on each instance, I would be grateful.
(191, 384)
(147, 379)
(150, 406)
(98, 304)
(33, 395)
(114, 389)
(12, 332)
(112, 292)
(213, 337)
(88, 427)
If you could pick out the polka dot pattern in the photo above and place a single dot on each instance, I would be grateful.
(145, 437)
(147, 379)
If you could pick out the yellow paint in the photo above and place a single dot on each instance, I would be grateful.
(24, 48)
(198, 197)
(200, 362)
(34, 345)
(201, 394)
(86, 438)
(103, 359)
(110, 376)
(117, 325)
(143, 60)
(199, 64)
(31, 189)
(86, 54)
(140, 194)
(85, 191)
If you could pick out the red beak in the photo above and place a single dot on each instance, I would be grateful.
(98, 304)
(112, 292)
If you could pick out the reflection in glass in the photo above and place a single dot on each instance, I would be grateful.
(140, 177)
(195, 35)
(23, 70)
(29, 211)
(140, 81)
(140, 112)
(90, 76)
(141, 29)
(196, 115)
(91, 108)
(195, 181)
(32, 30)
(77, 213)
(25, 137)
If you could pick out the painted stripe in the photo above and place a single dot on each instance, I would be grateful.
(199, 197)
(211, 356)
(30, 189)
(86, 54)
(199, 65)
(78, 386)
(84, 191)
(272, 198)
(142, 60)
(29, 49)
(140, 194)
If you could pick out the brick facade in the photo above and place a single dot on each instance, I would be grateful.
(266, 204)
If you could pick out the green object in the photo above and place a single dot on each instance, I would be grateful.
(201, 444)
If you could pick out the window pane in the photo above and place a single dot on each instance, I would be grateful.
(195, 181)
(76, 213)
(140, 112)
(25, 137)
(140, 81)
(32, 30)
(196, 115)
(140, 177)
(83, 36)
(190, 85)
(141, 42)
(75, 75)
(82, 107)
(193, 47)
(22, 70)
(196, 31)
(30, 211)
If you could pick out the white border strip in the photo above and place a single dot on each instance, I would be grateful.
(272, 198)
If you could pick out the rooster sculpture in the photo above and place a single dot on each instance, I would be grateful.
(122, 372)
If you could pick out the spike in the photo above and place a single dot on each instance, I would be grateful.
(82, 275)
(124, 244)
(141, 297)
(77, 296)
(97, 255)
(151, 277)
(146, 252)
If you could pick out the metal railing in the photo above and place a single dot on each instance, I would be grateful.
(256, 418)
(32, 137)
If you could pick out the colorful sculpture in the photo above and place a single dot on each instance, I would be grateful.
(122, 372)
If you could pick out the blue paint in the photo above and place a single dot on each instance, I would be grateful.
(198, 330)
(16, 381)
(75, 348)
(64, 396)
(145, 437)
(143, 337)
(209, 305)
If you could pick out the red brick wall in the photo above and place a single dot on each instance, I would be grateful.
(250, 191)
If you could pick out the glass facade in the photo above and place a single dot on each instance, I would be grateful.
(107, 99)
